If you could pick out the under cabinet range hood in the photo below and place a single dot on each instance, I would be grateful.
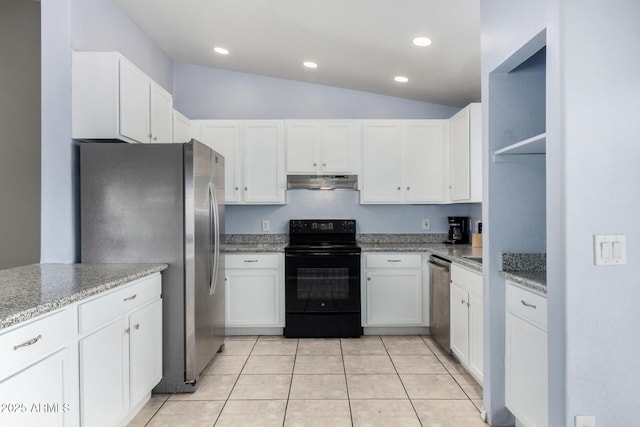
(322, 182)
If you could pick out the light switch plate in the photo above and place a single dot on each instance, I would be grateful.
(425, 224)
(266, 225)
(610, 249)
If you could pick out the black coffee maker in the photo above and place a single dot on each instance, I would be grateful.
(458, 229)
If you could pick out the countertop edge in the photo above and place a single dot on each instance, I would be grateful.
(535, 285)
(41, 309)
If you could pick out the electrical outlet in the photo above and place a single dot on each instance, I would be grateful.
(425, 224)
(584, 421)
(266, 225)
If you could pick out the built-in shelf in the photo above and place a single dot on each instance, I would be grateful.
(533, 145)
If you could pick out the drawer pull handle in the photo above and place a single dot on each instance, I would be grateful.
(28, 343)
(394, 260)
(131, 297)
(250, 260)
(526, 304)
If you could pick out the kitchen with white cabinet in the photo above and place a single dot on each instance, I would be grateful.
(553, 178)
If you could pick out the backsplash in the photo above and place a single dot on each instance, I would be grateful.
(340, 204)
(402, 238)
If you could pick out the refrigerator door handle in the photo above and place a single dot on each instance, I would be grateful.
(215, 225)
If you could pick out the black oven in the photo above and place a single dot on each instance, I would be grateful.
(322, 279)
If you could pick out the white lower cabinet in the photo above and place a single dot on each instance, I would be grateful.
(466, 319)
(254, 290)
(526, 356)
(38, 373)
(394, 290)
(121, 354)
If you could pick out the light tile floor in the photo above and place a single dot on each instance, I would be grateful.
(265, 381)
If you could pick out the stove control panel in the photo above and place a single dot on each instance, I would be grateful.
(329, 226)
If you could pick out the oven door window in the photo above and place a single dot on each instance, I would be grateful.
(321, 285)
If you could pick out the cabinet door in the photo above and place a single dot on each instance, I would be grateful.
(134, 103)
(253, 297)
(302, 140)
(264, 172)
(381, 162)
(224, 137)
(459, 312)
(145, 350)
(338, 144)
(394, 297)
(526, 371)
(103, 374)
(475, 338)
(42, 393)
(161, 115)
(460, 155)
(181, 128)
(425, 144)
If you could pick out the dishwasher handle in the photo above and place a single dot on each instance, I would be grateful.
(439, 262)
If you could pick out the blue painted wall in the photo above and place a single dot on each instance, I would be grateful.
(342, 204)
(212, 93)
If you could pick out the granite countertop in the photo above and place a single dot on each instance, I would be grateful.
(431, 243)
(32, 290)
(528, 270)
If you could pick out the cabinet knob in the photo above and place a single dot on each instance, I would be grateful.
(237, 188)
(149, 136)
(127, 331)
(315, 164)
(399, 188)
(245, 188)
(368, 278)
(136, 326)
(324, 164)
(408, 188)
(155, 138)
(461, 301)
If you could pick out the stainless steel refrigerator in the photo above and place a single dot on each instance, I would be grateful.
(163, 203)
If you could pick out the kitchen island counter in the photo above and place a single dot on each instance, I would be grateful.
(32, 290)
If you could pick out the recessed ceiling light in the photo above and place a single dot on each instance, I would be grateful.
(422, 41)
(221, 50)
(401, 79)
(310, 64)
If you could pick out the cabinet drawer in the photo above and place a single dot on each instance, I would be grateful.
(469, 280)
(34, 340)
(252, 261)
(527, 305)
(392, 260)
(105, 308)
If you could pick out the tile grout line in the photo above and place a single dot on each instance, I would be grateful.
(402, 382)
(155, 412)
(346, 383)
(293, 368)
(235, 383)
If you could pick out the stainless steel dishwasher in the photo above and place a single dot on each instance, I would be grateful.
(439, 282)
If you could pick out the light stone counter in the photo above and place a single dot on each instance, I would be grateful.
(32, 290)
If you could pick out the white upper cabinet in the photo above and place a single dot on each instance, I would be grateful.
(404, 161)
(425, 159)
(224, 137)
(254, 158)
(321, 146)
(264, 171)
(181, 127)
(466, 155)
(113, 99)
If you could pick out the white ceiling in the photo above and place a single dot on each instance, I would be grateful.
(358, 44)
